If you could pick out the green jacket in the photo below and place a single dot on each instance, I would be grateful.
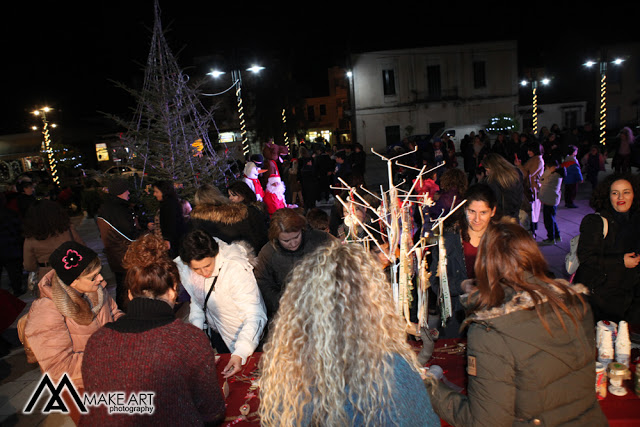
(519, 374)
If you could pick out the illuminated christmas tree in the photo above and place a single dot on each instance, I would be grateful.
(169, 137)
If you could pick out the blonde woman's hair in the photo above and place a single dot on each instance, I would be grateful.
(211, 195)
(336, 328)
(502, 172)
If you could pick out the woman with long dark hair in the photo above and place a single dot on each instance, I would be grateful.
(462, 236)
(506, 182)
(531, 342)
(148, 349)
(609, 260)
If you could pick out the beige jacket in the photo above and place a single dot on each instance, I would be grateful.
(57, 341)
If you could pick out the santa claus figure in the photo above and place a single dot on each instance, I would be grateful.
(275, 188)
(251, 177)
(274, 195)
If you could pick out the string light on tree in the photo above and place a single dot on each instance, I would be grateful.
(603, 93)
(42, 113)
(502, 123)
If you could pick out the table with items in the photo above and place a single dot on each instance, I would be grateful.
(450, 354)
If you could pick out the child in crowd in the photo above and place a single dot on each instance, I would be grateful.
(593, 163)
(318, 219)
(427, 184)
(550, 194)
(573, 177)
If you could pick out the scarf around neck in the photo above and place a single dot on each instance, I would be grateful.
(82, 308)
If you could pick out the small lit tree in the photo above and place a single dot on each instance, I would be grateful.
(503, 123)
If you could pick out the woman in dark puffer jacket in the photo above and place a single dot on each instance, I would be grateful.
(229, 222)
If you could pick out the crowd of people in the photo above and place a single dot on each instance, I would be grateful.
(224, 273)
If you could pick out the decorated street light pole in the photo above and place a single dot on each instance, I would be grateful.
(603, 95)
(42, 113)
(534, 87)
(236, 77)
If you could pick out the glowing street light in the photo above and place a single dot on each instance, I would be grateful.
(42, 112)
(603, 94)
(534, 87)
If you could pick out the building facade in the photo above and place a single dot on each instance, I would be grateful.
(567, 115)
(418, 91)
(325, 116)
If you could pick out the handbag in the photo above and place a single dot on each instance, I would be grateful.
(32, 281)
(571, 262)
(205, 324)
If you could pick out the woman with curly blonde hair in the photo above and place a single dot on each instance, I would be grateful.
(337, 354)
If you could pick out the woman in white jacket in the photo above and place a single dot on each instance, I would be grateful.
(225, 299)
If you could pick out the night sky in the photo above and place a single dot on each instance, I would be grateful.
(64, 54)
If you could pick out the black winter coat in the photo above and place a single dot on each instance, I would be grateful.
(614, 288)
(118, 227)
(275, 263)
(233, 222)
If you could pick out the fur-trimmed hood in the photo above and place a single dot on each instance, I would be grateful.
(518, 300)
(227, 214)
(518, 321)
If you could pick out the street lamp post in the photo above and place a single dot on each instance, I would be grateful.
(534, 88)
(603, 94)
(42, 113)
(236, 78)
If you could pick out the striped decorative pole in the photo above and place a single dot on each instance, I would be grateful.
(53, 167)
(243, 126)
(603, 93)
(535, 107)
(284, 122)
(603, 103)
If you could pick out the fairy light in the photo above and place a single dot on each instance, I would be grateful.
(284, 122)
(243, 126)
(535, 109)
(603, 108)
(47, 143)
